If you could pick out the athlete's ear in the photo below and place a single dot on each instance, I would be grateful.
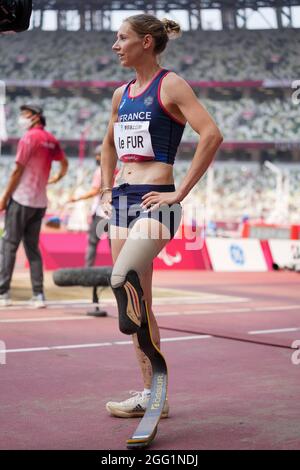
(147, 41)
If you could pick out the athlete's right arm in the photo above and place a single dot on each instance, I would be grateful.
(109, 155)
(108, 152)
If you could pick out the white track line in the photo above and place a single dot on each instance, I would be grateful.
(97, 345)
(281, 330)
(25, 308)
(183, 300)
(228, 310)
(281, 307)
(159, 314)
(29, 320)
(184, 338)
(236, 310)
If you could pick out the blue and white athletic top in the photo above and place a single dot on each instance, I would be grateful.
(145, 130)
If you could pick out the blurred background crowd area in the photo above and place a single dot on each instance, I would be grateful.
(230, 191)
(197, 55)
(260, 116)
(246, 78)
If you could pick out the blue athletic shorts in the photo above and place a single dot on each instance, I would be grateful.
(126, 202)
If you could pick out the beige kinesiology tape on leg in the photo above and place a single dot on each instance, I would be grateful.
(141, 247)
(136, 255)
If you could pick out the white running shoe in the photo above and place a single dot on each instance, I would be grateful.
(5, 300)
(133, 407)
(38, 301)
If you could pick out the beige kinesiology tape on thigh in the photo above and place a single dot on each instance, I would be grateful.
(136, 255)
(146, 239)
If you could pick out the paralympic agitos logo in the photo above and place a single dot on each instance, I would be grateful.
(296, 355)
(296, 94)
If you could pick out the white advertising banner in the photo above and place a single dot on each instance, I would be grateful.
(238, 254)
(285, 253)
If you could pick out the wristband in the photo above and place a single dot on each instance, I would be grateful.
(105, 190)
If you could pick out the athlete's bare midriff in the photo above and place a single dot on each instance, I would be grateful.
(145, 173)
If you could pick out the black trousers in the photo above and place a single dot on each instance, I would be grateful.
(93, 239)
(22, 223)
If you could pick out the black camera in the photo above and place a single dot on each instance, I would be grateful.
(15, 15)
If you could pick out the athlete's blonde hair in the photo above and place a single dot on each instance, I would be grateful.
(160, 30)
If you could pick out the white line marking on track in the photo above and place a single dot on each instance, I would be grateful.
(199, 312)
(167, 314)
(159, 314)
(228, 310)
(121, 343)
(281, 307)
(184, 338)
(203, 298)
(43, 319)
(80, 346)
(236, 310)
(50, 305)
(281, 330)
(97, 345)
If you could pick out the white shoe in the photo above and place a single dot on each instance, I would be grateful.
(5, 300)
(133, 407)
(38, 301)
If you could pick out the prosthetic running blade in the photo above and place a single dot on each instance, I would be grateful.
(147, 428)
(134, 318)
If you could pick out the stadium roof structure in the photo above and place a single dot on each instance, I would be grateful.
(165, 5)
(97, 14)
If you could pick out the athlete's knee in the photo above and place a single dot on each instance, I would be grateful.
(127, 261)
(118, 277)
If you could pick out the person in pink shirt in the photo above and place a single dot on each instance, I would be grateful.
(25, 200)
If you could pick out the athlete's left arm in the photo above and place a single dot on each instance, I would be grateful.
(179, 93)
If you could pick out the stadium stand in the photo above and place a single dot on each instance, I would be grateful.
(198, 55)
(242, 119)
(240, 189)
(257, 110)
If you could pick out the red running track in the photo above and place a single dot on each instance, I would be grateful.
(235, 388)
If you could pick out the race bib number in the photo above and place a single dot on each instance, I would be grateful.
(133, 141)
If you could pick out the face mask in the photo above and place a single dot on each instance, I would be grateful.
(24, 123)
